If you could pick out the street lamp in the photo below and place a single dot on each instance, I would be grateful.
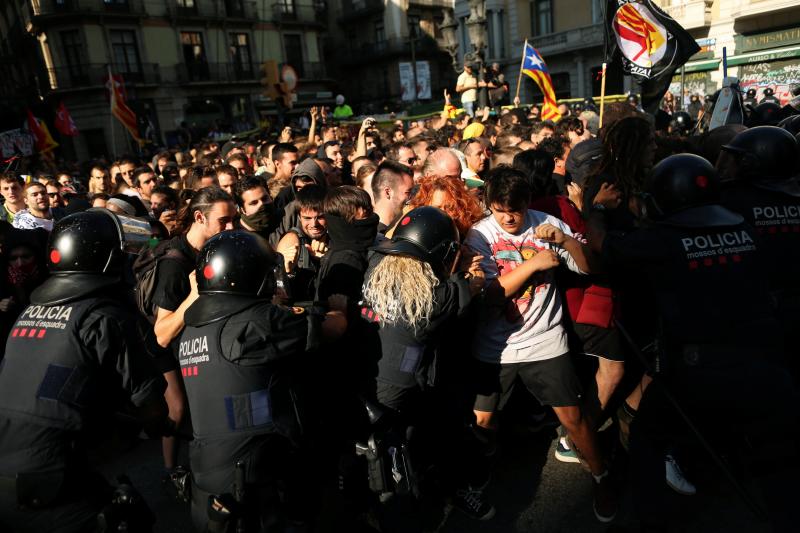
(476, 30)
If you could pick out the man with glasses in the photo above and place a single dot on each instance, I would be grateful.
(403, 153)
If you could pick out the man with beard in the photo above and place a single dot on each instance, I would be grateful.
(37, 214)
(256, 210)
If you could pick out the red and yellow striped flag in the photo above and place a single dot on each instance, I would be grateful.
(533, 65)
(120, 109)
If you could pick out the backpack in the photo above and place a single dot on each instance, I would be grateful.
(144, 271)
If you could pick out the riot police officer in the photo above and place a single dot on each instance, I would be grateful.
(414, 295)
(749, 100)
(72, 359)
(769, 97)
(239, 357)
(761, 165)
(717, 344)
(682, 123)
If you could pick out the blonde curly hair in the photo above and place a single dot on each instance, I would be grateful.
(401, 290)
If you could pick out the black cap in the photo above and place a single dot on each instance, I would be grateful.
(583, 158)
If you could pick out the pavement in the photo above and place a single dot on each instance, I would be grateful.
(532, 491)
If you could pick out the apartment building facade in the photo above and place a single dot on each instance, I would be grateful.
(192, 61)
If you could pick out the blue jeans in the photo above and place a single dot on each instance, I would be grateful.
(469, 108)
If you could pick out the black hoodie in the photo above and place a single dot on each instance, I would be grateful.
(342, 269)
(284, 200)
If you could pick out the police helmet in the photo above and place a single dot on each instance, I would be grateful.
(633, 99)
(237, 262)
(751, 93)
(765, 114)
(768, 157)
(428, 234)
(791, 124)
(769, 91)
(682, 122)
(94, 242)
(684, 191)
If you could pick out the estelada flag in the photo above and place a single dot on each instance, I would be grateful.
(42, 139)
(533, 65)
(652, 46)
(64, 123)
(120, 109)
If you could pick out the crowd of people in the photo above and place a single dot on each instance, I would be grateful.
(334, 322)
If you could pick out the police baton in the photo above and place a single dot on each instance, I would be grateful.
(723, 466)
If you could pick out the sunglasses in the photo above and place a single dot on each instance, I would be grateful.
(52, 194)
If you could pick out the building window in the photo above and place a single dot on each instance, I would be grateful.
(293, 52)
(541, 17)
(186, 7)
(240, 55)
(194, 55)
(380, 32)
(72, 47)
(125, 52)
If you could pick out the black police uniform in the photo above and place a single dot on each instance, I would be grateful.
(72, 358)
(717, 332)
(238, 356)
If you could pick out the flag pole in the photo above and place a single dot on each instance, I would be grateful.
(602, 93)
(519, 76)
(111, 113)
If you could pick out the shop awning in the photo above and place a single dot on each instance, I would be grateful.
(702, 65)
(764, 55)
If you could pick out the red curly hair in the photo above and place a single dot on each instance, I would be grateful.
(460, 205)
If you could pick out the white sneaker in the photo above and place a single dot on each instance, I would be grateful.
(675, 478)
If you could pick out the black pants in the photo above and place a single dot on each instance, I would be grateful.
(441, 434)
(725, 402)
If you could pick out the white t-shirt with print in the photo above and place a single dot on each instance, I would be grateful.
(528, 327)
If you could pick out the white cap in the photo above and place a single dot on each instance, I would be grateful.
(339, 99)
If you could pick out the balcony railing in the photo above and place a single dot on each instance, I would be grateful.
(241, 9)
(565, 41)
(288, 12)
(312, 71)
(360, 8)
(754, 8)
(62, 7)
(215, 73)
(374, 51)
(93, 75)
(692, 14)
(192, 9)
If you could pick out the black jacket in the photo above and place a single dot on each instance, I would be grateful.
(343, 267)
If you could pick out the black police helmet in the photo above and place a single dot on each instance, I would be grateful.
(769, 91)
(751, 93)
(682, 121)
(766, 154)
(90, 242)
(428, 234)
(765, 114)
(237, 262)
(684, 190)
(791, 124)
(633, 99)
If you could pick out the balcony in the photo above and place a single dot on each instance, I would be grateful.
(189, 73)
(439, 4)
(692, 14)
(567, 41)
(312, 71)
(389, 48)
(743, 9)
(352, 9)
(95, 75)
(43, 8)
(241, 9)
(287, 12)
(194, 9)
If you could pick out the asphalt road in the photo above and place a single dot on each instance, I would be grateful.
(533, 492)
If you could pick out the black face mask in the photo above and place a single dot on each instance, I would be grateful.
(260, 220)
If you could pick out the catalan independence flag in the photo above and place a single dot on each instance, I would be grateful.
(533, 65)
(119, 107)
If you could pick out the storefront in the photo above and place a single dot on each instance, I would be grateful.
(769, 59)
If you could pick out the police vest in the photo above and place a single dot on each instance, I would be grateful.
(776, 218)
(231, 399)
(404, 361)
(48, 375)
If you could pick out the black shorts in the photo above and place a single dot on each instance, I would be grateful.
(553, 382)
(605, 343)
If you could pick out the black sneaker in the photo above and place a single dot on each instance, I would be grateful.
(473, 503)
(605, 498)
(177, 484)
